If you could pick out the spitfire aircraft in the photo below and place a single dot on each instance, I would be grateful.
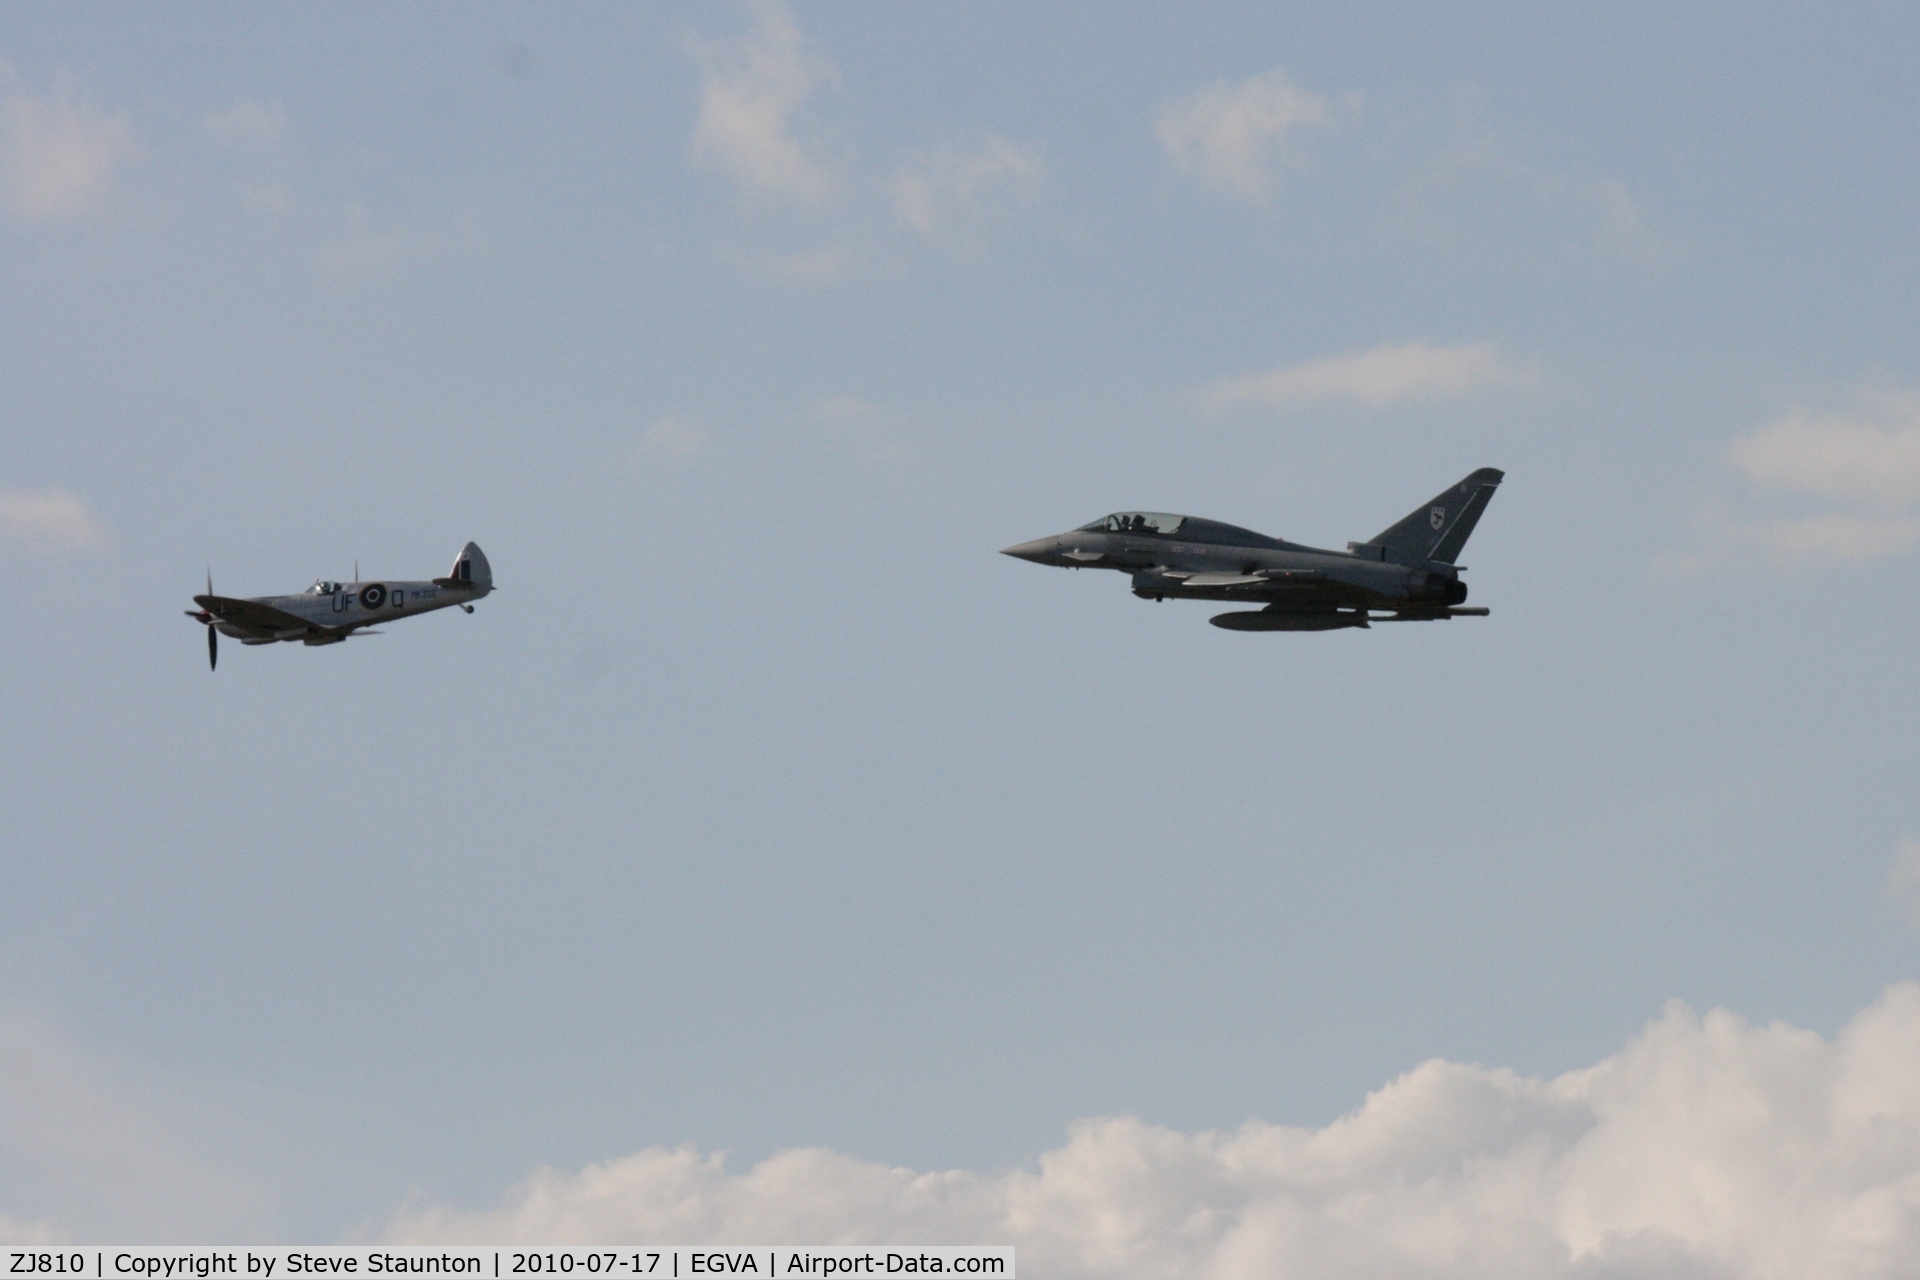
(328, 612)
(1405, 574)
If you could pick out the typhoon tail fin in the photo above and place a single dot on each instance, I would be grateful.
(1439, 529)
(470, 571)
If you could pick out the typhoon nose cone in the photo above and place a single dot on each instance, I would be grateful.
(1039, 551)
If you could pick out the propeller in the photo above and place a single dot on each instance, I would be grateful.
(213, 636)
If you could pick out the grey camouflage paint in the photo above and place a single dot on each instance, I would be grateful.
(1405, 573)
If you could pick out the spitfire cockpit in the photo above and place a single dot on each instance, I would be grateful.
(321, 587)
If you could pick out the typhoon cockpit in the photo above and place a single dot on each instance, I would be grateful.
(1136, 522)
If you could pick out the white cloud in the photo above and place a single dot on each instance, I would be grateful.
(365, 251)
(57, 156)
(53, 518)
(1708, 1147)
(1411, 371)
(1476, 187)
(756, 126)
(670, 437)
(1235, 136)
(1903, 880)
(750, 93)
(954, 197)
(1867, 462)
(1871, 458)
(1625, 230)
(102, 1155)
(254, 126)
(1834, 537)
(827, 264)
(38, 1232)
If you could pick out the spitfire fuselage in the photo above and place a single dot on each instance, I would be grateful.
(348, 606)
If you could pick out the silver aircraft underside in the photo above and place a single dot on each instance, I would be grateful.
(1404, 574)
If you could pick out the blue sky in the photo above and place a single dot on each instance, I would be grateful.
(766, 807)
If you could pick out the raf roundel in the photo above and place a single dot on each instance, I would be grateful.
(373, 597)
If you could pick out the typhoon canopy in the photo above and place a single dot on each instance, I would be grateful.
(328, 612)
(1407, 573)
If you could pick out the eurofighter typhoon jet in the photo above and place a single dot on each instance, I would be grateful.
(328, 612)
(1404, 574)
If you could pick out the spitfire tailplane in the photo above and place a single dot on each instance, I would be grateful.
(1438, 530)
(470, 572)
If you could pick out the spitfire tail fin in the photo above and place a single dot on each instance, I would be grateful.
(1439, 529)
(470, 571)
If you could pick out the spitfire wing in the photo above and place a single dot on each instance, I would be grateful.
(263, 619)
